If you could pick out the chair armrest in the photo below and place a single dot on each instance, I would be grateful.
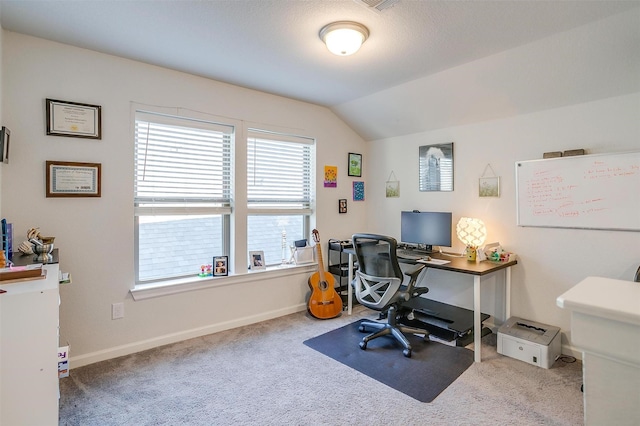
(417, 291)
(412, 290)
(413, 274)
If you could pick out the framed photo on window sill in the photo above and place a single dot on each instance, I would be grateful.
(256, 260)
(220, 266)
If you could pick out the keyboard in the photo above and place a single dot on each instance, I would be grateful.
(411, 255)
(431, 261)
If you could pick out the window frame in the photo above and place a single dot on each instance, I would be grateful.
(191, 120)
(307, 209)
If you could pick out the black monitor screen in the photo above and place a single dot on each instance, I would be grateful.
(428, 228)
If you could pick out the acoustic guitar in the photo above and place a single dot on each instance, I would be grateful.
(324, 302)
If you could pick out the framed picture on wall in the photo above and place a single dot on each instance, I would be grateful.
(342, 205)
(355, 164)
(4, 144)
(70, 179)
(74, 119)
(358, 191)
(489, 186)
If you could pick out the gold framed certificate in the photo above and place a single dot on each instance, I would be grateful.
(74, 119)
(67, 179)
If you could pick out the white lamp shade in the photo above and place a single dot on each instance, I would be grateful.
(471, 231)
(344, 38)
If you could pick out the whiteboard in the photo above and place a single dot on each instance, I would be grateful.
(600, 191)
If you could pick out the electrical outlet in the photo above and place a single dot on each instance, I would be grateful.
(117, 310)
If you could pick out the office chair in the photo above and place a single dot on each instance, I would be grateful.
(378, 286)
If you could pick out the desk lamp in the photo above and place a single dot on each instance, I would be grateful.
(472, 233)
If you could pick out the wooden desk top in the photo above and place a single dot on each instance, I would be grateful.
(457, 263)
(462, 265)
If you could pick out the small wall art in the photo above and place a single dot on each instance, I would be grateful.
(342, 205)
(5, 135)
(392, 186)
(330, 176)
(358, 191)
(489, 186)
(355, 164)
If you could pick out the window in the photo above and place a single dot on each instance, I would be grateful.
(279, 192)
(182, 194)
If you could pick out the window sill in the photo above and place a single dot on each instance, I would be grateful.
(165, 288)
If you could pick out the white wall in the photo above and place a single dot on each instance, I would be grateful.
(550, 260)
(95, 235)
(606, 120)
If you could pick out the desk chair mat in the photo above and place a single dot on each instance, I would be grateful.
(430, 370)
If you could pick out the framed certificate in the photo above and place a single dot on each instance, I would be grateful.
(73, 119)
(66, 179)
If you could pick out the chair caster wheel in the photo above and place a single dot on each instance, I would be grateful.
(361, 329)
(363, 345)
(407, 353)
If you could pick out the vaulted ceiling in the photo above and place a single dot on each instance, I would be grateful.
(273, 45)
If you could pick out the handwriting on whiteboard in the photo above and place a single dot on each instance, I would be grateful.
(549, 192)
(597, 191)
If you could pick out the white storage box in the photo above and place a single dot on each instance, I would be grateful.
(303, 255)
(529, 341)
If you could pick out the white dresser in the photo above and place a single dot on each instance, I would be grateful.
(605, 325)
(28, 351)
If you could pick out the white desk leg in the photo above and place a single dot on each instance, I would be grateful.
(477, 324)
(349, 288)
(507, 293)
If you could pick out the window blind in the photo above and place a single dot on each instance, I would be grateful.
(279, 172)
(181, 165)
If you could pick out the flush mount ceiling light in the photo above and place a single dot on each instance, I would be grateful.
(344, 38)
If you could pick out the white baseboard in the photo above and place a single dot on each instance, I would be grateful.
(114, 352)
(571, 351)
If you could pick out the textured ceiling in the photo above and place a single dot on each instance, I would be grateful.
(273, 45)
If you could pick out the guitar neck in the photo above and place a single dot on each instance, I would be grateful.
(320, 261)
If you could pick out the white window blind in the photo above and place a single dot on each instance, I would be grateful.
(182, 166)
(279, 172)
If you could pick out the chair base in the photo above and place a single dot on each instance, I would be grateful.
(393, 329)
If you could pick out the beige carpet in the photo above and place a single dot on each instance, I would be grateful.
(264, 375)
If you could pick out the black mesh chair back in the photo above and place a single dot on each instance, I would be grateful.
(379, 285)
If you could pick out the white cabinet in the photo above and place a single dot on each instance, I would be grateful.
(29, 312)
(605, 325)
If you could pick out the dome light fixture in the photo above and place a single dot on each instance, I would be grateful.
(344, 38)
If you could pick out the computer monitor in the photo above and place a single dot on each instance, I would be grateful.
(428, 228)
